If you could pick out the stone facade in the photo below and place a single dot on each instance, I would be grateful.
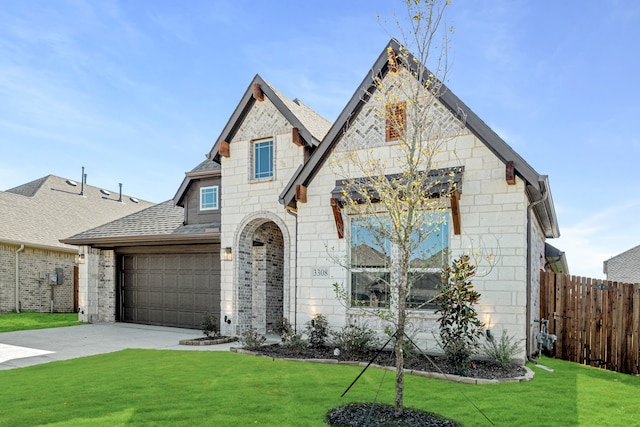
(97, 286)
(624, 267)
(35, 293)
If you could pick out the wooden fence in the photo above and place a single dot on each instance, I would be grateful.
(596, 322)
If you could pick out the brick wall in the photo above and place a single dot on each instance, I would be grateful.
(97, 286)
(35, 292)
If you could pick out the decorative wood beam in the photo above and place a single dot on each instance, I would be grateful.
(510, 173)
(258, 95)
(337, 216)
(301, 193)
(455, 211)
(224, 149)
(296, 137)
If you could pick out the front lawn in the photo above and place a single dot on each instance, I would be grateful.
(226, 389)
(13, 321)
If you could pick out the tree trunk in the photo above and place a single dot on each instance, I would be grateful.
(402, 315)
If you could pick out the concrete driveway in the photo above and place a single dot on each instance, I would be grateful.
(26, 348)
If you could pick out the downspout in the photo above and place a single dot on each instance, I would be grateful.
(295, 274)
(18, 278)
(545, 195)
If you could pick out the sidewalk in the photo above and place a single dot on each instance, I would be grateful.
(26, 348)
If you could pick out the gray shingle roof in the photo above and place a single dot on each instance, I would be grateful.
(158, 221)
(48, 209)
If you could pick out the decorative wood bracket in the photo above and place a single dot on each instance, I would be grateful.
(455, 211)
(301, 193)
(337, 216)
(258, 95)
(224, 149)
(296, 137)
(510, 173)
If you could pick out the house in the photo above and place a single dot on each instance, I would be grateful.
(282, 224)
(624, 267)
(37, 272)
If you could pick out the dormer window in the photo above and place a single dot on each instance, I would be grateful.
(262, 165)
(209, 198)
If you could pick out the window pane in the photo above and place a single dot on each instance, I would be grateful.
(422, 288)
(370, 289)
(263, 159)
(368, 248)
(432, 252)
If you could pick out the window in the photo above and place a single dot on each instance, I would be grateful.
(208, 198)
(371, 259)
(395, 120)
(262, 160)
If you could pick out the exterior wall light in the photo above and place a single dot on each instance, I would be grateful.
(80, 258)
(227, 255)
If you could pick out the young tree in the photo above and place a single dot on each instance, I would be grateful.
(396, 216)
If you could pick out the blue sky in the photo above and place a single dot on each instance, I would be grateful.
(138, 91)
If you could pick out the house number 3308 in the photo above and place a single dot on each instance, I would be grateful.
(320, 272)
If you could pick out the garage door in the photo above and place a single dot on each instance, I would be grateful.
(170, 289)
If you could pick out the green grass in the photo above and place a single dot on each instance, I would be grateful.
(142, 387)
(10, 322)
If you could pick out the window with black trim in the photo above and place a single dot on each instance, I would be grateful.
(371, 261)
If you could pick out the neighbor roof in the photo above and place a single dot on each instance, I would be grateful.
(158, 224)
(41, 212)
(537, 185)
(311, 125)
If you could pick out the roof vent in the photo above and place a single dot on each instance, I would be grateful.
(134, 200)
(105, 192)
(72, 183)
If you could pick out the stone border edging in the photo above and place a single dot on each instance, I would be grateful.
(212, 341)
(445, 377)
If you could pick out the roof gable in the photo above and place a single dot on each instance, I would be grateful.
(205, 169)
(537, 185)
(311, 126)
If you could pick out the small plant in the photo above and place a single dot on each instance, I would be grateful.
(318, 331)
(460, 328)
(354, 338)
(296, 343)
(251, 339)
(210, 327)
(501, 352)
(285, 330)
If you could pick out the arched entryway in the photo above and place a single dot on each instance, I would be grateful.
(261, 272)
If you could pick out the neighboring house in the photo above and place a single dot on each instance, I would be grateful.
(158, 266)
(282, 225)
(624, 267)
(36, 270)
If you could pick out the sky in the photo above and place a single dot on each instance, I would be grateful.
(137, 92)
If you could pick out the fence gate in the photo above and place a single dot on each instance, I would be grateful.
(596, 322)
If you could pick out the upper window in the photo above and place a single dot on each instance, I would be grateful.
(371, 259)
(395, 120)
(262, 160)
(208, 198)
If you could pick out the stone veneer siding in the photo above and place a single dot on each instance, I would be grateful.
(97, 286)
(35, 292)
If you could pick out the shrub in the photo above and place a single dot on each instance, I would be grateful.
(501, 352)
(354, 338)
(318, 331)
(296, 343)
(209, 325)
(284, 329)
(460, 328)
(251, 339)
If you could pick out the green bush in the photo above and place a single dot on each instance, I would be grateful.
(354, 338)
(501, 352)
(251, 339)
(284, 329)
(318, 331)
(296, 343)
(460, 328)
(210, 326)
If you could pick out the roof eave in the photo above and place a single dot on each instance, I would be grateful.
(148, 240)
